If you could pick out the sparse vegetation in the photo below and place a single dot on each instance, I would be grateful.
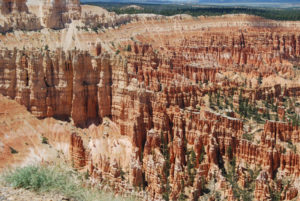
(87, 175)
(291, 146)
(191, 165)
(248, 137)
(128, 48)
(57, 180)
(218, 196)
(257, 110)
(202, 154)
(122, 174)
(166, 154)
(246, 193)
(275, 192)
(13, 151)
(174, 9)
(95, 29)
(259, 79)
(229, 152)
(85, 28)
(44, 140)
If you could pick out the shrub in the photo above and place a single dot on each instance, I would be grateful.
(218, 196)
(191, 164)
(122, 174)
(54, 179)
(85, 28)
(259, 79)
(248, 137)
(202, 154)
(229, 151)
(44, 140)
(182, 197)
(129, 48)
(87, 175)
(292, 146)
(13, 151)
(95, 29)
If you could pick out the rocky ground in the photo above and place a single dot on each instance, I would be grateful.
(12, 194)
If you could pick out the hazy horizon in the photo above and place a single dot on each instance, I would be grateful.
(250, 3)
(199, 1)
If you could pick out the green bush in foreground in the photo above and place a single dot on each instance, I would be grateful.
(56, 180)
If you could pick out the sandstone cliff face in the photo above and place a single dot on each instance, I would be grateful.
(13, 6)
(77, 151)
(57, 13)
(14, 15)
(48, 84)
(23, 132)
(33, 15)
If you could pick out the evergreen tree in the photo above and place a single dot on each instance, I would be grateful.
(166, 154)
(259, 79)
(210, 99)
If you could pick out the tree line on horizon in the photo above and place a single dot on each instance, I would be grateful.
(292, 14)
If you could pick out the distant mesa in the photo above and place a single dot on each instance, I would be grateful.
(135, 7)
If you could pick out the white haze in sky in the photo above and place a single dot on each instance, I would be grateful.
(201, 1)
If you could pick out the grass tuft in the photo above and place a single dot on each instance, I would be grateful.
(56, 180)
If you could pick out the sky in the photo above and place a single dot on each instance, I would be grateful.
(205, 1)
(251, 3)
